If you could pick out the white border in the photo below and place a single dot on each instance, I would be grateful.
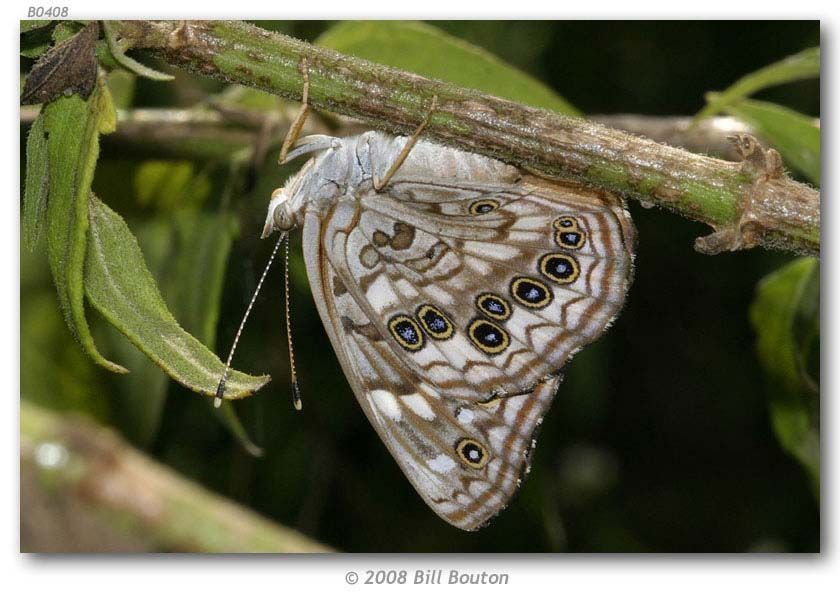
(564, 576)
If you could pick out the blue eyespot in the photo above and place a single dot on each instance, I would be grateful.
(530, 292)
(561, 268)
(434, 322)
(406, 332)
(488, 337)
(493, 306)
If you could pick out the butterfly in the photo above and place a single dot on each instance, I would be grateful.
(453, 296)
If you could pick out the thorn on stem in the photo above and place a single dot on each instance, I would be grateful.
(763, 165)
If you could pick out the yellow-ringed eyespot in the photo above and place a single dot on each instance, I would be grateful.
(407, 333)
(565, 222)
(482, 207)
(434, 322)
(487, 336)
(472, 453)
(571, 238)
(559, 267)
(531, 292)
(493, 306)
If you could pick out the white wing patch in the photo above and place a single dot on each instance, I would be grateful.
(386, 403)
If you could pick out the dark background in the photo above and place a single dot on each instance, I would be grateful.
(659, 439)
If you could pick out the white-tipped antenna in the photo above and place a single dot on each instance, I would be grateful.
(295, 390)
(220, 389)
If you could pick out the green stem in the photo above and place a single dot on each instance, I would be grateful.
(745, 206)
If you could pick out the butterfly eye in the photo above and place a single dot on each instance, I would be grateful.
(482, 207)
(282, 219)
(472, 453)
(530, 292)
(493, 306)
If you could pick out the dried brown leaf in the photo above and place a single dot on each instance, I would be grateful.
(68, 68)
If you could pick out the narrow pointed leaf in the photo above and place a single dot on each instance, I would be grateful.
(119, 285)
(803, 65)
(187, 253)
(205, 241)
(430, 52)
(129, 63)
(73, 127)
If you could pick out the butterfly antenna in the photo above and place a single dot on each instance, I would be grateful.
(220, 389)
(295, 389)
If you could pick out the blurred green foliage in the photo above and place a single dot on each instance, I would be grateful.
(786, 317)
(663, 435)
(802, 65)
(794, 135)
(427, 51)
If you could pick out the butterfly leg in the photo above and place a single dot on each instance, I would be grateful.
(379, 184)
(300, 119)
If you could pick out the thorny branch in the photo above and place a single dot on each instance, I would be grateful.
(216, 131)
(747, 203)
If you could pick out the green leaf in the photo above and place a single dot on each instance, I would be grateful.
(187, 253)
(35, 193)
(804, 65)
(119, 285)
(793, 134)
(785, 316)
(35, 38)
(73, 127)
(27, 26)
(427, 51)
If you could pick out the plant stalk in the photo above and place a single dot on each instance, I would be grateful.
(745, 205)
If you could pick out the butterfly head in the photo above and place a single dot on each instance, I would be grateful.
(280, 215)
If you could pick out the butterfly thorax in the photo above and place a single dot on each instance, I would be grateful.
(341, 170)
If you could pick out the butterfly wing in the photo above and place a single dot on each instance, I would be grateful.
(452, 303)
(465, 460)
